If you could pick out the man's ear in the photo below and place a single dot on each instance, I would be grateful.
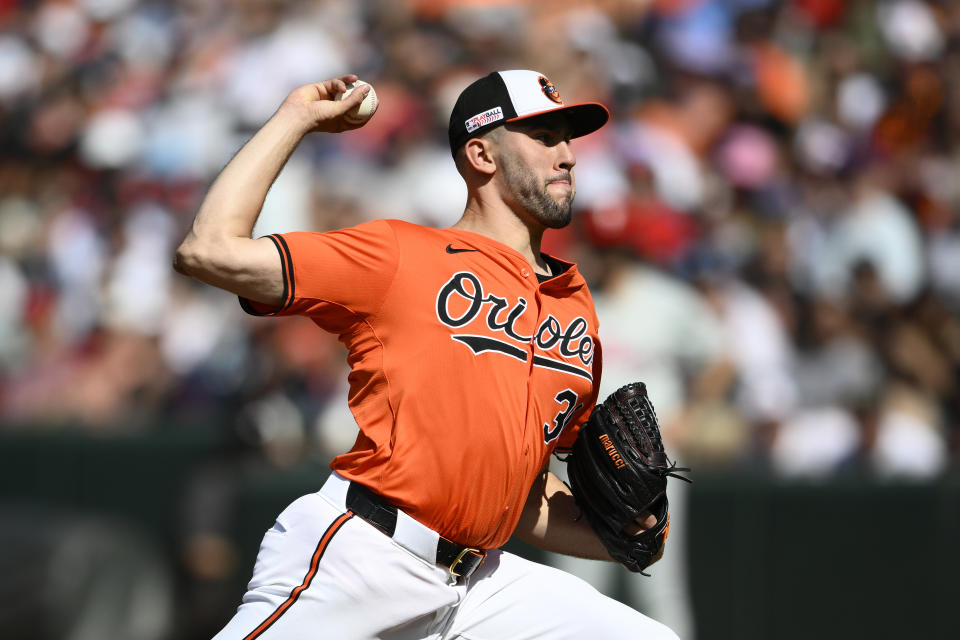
(478, 154)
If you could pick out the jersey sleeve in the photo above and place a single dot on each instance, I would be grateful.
(569, 435)
(338, 272)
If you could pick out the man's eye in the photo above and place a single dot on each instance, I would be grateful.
(550, 138)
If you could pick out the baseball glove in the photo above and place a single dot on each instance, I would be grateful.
(618, 470)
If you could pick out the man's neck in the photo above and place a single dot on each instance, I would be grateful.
(500, 223)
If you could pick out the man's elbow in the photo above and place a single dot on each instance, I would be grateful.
(189, 258)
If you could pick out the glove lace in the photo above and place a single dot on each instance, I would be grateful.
(673, 471)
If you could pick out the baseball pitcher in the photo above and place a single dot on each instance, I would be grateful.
(473, 358)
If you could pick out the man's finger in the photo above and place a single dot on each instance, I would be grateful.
(356, 96)
(643, 522)
(339, 85)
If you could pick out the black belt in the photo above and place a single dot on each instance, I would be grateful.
(461, 561)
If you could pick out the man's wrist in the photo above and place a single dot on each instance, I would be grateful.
(292, 122)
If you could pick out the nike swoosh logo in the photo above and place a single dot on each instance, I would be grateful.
(450, 249)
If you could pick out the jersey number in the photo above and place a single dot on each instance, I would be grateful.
(568, 402)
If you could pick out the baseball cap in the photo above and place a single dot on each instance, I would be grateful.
(509, 96)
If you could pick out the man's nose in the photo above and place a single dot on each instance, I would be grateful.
(566, 158)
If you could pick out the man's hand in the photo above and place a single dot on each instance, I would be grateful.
(316, 108)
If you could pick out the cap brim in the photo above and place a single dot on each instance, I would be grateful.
(584, 117)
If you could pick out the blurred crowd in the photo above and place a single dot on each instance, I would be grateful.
(770, 223)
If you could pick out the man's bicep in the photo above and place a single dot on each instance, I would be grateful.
(262, 276)
(250, 268)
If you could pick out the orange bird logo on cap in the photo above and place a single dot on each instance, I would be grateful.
(550, 90)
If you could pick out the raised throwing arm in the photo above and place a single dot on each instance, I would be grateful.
(218, 249)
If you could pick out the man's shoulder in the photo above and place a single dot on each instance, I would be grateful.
(387, 226)
(411, 235)
(411, 228)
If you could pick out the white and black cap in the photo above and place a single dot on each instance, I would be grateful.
(509, 96)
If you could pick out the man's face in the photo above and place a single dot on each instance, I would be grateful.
(535, 164)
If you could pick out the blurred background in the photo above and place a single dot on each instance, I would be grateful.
(770, 225)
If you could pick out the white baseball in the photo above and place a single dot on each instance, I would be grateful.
(365, 110)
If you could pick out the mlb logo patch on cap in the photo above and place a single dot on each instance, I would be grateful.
(509, 96)
(483, 119)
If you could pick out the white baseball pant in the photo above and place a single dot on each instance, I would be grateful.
(324, 573)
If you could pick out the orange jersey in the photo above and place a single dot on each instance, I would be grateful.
(466, 372)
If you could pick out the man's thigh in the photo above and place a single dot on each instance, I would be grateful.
(511, 598)
(321, 573)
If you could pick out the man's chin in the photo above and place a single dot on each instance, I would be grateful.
(559, 221)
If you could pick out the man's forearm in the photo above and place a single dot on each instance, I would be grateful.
(234, 201)
(551, 520)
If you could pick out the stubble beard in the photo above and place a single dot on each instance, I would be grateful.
(532, 196)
